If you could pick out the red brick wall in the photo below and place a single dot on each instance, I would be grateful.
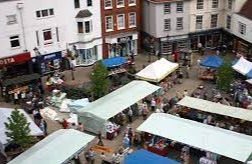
(114, 12)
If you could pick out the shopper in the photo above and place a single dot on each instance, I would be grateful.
(130, 115)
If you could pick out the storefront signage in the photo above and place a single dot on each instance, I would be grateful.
(15, 59)
(124, 39)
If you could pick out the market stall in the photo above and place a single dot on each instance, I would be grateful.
(5, 113)
(142, 156)
(157, 71)
(209, 65)
(216, 108)
(57, 148)
(115, 65)
(213, 139)
(244, 67)
(95, 116)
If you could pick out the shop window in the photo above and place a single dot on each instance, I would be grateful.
(109, 23)
(132, 2)
(242, 28)
(167, 24)
(179, 23)
(132, 19)
(76, 4)
(120, 3)
(180, 6)
(200, 4)
(89, 2)
(199, 21)
(108, 4)
(167, 8)
(214, 20)
(47, 34)
(11, 19)
(44, 13)
(14, 41)
(120, 21)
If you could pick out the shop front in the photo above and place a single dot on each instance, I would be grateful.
(208, 39)
(119, 45)
(243, 47)
(87, 56)
(46, 64)
(170, 44)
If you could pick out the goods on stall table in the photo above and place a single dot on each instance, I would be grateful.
(111, 130)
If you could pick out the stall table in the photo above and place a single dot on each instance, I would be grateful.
(159, 151)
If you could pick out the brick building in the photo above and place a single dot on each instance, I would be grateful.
(120, 27)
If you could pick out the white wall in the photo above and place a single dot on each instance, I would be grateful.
(236, 19)
(64, 19)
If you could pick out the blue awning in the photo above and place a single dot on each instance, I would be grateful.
(249, 74)
(212, 61)
(146, 157)
(113, 62)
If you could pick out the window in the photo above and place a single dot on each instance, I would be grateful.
(80, 27)
(76, 4)
(108, 4)
(230, 4)
(179, 23)
(44, 13)
(14, 41)
(200, 4)
(132, 2)
(88, 27)
(47, 34)
(132, 19)
(180, 7)
(242, 28)
(89, 3)
(215, 3)
(214, 20)
(120, 3)
(57, 34)
(11, 19)
(167, 24)
(37, 38)
(120, 21)
(199, 20)
(228, 24)
(109, 23)
(167, 8)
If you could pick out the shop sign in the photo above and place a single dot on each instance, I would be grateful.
(15, 59)
(124, 39)
(52, 56)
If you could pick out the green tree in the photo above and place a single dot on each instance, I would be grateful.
(17, 129)
(99, 80)
(225, 75)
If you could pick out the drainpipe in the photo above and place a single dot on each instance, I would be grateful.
(20, 7)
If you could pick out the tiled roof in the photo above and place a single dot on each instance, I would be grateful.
(246, 9)
(83, 14)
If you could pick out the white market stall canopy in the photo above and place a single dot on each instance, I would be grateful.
(157, 71)
(249, 81)
(217, 108)
(96, 113)
(217, 140)
(242, 66)
(57, 148)
(5, 113)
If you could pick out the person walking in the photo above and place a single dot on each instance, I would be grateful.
(126, 142)
(153, 104)
(130, 115)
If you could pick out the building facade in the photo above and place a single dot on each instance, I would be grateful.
(120, 27)
(167, 22)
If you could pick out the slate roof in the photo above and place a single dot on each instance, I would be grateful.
(246, 10)
(83, 14)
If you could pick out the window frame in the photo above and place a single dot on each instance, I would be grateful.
(120, 5)
(230, 4)
(132, 3)
(242, 27)
(50, 13)
(132, 15)
(47, 41)
(181, 23)
(167, 8)
(10, 22)
(180, 7)
(215, 4)
(89, 27)
(200, 4)
(106, 23)
(89, 4)
(76, 4)
(228, 22)
(80, 28)
(196, 22)
(13, 40)
(123, 21)
(108, 7)
(167, 25)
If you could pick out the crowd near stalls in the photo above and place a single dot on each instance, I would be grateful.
(208, 66)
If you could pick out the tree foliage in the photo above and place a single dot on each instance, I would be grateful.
(17, 129)
(225, 76)
(99, 80)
